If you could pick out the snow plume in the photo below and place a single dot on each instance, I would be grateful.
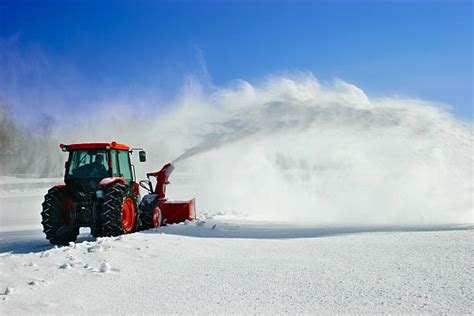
(296, 149)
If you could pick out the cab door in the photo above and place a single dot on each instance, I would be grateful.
(125, 168)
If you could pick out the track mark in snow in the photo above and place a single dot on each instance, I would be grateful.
(98, 248)
(105, 267)
(8, 291)
(65, 266)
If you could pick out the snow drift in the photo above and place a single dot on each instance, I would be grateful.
(293, 148)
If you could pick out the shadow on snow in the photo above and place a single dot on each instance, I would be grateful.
(20, 242)
(33, 241)
(269, 230)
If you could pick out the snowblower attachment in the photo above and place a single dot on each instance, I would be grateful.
(172, 211)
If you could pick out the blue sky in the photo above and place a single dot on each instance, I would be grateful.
(54, 54)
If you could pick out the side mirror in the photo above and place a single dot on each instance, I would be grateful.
(142, 155)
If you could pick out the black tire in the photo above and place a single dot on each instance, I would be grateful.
(112, 208)
(96, 231)
(149, 203)
(51, 218)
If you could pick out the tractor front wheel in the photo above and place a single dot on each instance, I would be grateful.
(119, 214)
(150, 212)
(56, 217)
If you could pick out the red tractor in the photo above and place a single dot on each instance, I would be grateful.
(100, 191)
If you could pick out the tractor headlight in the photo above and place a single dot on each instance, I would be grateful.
(99, 194)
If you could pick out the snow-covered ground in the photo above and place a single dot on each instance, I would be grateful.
(231, 264)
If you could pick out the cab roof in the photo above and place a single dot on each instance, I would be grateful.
(112, 145)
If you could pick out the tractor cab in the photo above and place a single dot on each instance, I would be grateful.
(90, 165)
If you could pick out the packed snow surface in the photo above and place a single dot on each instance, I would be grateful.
(228, 263)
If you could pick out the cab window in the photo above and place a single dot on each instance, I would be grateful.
(115, 166)
(88, 164)
(124, 165)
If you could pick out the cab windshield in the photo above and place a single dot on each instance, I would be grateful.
(88, 164)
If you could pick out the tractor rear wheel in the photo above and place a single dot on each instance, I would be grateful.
(96, 231)
(56, 217)
(150, 212)
(119, 214)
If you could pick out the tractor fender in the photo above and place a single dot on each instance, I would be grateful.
(110, 180)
